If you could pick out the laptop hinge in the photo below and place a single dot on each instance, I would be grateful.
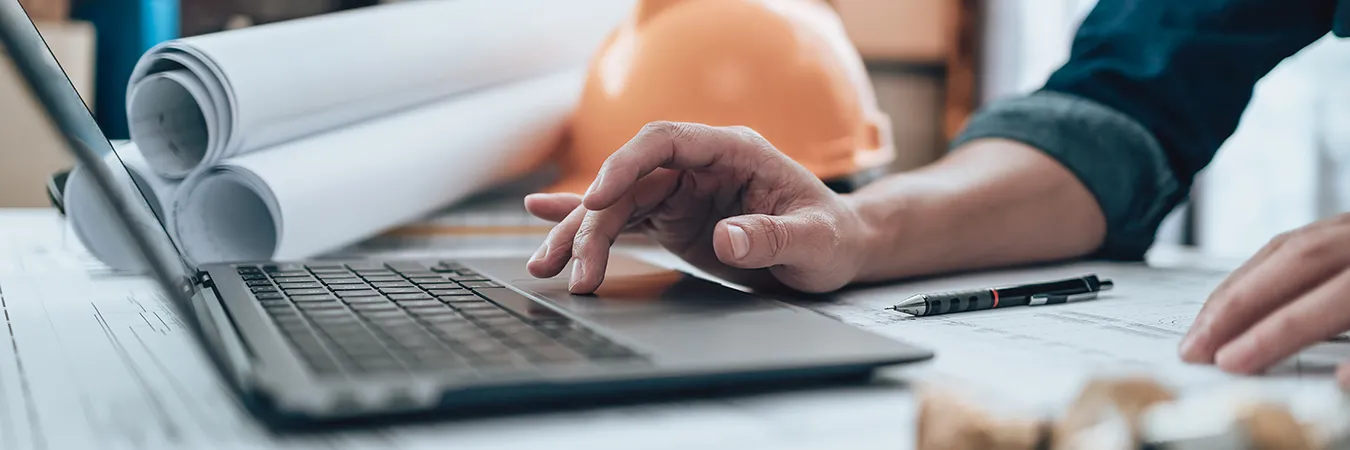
(203, 278)
(222, 333)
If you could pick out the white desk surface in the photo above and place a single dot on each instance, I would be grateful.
(89, 360)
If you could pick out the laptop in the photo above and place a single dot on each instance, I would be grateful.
(312, 342)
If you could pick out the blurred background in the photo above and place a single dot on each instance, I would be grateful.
(932, 63)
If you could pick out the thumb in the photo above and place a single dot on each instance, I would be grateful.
(756, 241)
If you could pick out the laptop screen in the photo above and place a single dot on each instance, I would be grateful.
(51, 94)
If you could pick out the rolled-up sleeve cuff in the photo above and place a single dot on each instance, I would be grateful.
(1115, 157)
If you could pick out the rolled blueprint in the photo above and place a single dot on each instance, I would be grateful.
(321, 193)
(92, 220)
(196, 101)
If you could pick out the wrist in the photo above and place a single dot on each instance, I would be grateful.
(880, 222)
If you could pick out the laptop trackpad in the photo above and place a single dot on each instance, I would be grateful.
(636, 288)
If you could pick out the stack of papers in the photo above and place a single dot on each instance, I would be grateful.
(288, 140)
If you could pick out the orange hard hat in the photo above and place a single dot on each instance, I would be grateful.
(784, 68)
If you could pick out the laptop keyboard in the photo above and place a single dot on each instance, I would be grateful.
(404, 317)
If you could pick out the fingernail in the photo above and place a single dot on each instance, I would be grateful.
(577, 273)
(740, 242)
(540, 254)
(1188, 347)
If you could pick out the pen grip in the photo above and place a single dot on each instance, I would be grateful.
(962, 301)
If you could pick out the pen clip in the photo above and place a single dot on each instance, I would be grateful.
(1053, 299)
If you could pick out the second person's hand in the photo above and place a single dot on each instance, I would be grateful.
(721, 198)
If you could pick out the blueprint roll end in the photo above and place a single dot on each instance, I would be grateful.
(169, 124)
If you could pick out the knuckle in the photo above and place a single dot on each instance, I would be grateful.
(1307, 246)
(584, 233)
(831, 231)
(660, 127)
(744, 132)
(778, 235)
(1230, 302)
(664, 129)
(1280, 239)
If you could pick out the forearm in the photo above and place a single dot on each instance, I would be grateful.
(989, 203)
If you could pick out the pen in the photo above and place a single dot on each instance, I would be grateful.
(1047, 293)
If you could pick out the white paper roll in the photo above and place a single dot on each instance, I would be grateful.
(324, 192)
(260, 86)
(92, 219)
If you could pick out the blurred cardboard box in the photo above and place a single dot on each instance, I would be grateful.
(899, 30)
(31, 150)
(47, 10)
(914, 102)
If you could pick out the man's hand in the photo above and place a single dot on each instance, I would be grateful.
(1294, 293)
(723, 199)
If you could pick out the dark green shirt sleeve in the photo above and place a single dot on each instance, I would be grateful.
(1151, 89)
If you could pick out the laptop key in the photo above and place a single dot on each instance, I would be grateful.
(258, 283)
(337, 328)
(438, 317)
(377, 315)
(409, 296)
(553, 350)
(529, 338)
(423, 340)
(333, 282)
(483, 346)
(479, 284)
(294, 279)
(304, 285)
(466, 278)
(325, 305)
(428, 301)
(289, 273)
(402, 290)
(391, 284)
(343, 275)
(446, 292)
(434, 361)
(424, 276)
(329, 315)
(477, 307)
(295, 292)
(435, 309)
(252, 276)
(349, 287)
(356, 293)
(260, 289)
(382, 278)
(381, 306)
(325, 297)
(365, 300)
(455, 300)
(269, 295)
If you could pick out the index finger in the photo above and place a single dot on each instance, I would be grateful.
(1315, 316)
(662, 144)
